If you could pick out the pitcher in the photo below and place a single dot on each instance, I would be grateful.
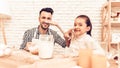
(46, 44)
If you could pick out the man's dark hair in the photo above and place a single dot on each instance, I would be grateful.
(50, 10)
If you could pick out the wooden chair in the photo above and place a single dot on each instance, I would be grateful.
(3, 31)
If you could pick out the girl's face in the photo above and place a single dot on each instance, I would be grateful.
(80, 26)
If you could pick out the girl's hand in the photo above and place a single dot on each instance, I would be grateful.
(68, 37)
(68, 34)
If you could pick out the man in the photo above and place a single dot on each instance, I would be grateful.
(45, 20)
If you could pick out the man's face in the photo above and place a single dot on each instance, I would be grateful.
(44, 19)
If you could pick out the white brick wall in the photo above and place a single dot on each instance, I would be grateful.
(25, 15)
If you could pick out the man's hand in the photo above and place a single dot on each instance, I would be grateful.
(53, 23)
(34, 51)
(31, 47)
(56, 24)
(28, 45)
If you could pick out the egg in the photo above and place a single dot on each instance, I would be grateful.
(1, 53)
(2, 46)
(76, 67)
(7, 51)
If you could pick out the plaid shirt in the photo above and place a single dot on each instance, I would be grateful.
(34, 32)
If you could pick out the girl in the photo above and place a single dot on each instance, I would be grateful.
(80, 36)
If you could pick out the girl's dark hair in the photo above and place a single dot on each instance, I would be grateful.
(88, 22)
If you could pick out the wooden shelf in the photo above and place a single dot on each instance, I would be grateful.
(114, 43)
(115, 4)
(115, 24)
(109, 7)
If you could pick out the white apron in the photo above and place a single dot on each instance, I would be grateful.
(44, 44)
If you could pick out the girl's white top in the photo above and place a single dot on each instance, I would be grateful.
(83, 42)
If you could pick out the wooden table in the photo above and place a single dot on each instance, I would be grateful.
(8, 62)
(23, 59)
(14, 60)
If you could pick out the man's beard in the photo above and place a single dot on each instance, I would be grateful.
(43, 28)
